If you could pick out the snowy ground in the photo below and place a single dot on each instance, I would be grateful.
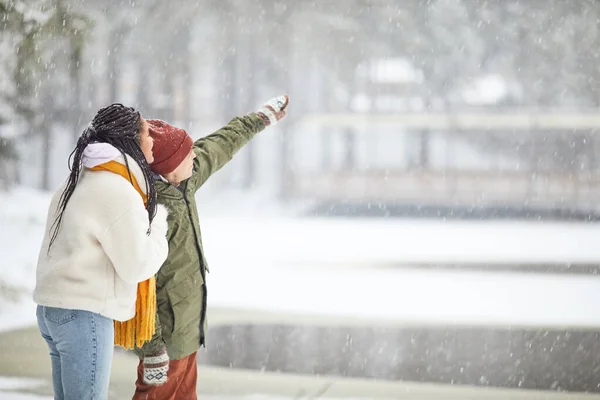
(264, 259)
(8, 386)
(345, 241)
(416, 296)
(330, 259)
(22, 219)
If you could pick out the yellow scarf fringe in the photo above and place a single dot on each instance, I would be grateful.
(141, 327)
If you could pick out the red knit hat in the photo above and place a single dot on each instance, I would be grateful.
(171, 146)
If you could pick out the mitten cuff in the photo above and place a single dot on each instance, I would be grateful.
(156, 367)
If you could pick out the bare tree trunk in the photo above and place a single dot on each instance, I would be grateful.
(350, 149)
(287, 173)
(143, 89)
(75, 69)
(114, 54)
(230, 100)
(183, 77)
(424, 149)
(43, 126)
(46, 145)
(248, 61)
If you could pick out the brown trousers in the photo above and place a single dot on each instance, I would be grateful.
(180, 385)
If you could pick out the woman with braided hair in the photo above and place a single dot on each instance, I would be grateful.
(105, 239)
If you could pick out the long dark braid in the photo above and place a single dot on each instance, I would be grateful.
(119, 126)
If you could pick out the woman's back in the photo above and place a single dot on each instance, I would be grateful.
(102, 249)
(105, 239)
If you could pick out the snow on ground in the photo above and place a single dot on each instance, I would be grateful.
(8, 386)
(16, 314)
(314, 241)
(22, 396)
(22, 218)
(274, 261)
(413, 296)
(270, 397)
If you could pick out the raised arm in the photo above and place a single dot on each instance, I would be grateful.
(217, 149)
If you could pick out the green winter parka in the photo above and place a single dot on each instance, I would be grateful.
(181, 281)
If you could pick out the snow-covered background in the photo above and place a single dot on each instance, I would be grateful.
(249, 251)
(448, 103)
(288, 266)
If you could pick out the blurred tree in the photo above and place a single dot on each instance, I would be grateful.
(202, 61)
(35, 36)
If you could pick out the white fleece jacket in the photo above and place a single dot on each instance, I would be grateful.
(102, 249)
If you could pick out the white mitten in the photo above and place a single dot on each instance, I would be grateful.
(274, 110)
(156, 367)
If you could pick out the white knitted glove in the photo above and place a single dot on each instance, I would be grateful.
(156, 367)
(274, 110)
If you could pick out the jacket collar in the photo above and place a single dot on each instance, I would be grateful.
(99, 153)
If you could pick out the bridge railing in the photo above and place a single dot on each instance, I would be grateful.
(461, 188)
(434, 182)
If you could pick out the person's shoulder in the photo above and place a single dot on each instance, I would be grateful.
(110, 189)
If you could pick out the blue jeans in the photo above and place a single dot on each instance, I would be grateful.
(81, 349)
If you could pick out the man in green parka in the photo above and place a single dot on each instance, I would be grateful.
(168, 368)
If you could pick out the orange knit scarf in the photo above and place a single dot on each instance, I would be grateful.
(141, 327)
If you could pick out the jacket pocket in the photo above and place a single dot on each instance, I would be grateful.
(186, 302)
(125, 293)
